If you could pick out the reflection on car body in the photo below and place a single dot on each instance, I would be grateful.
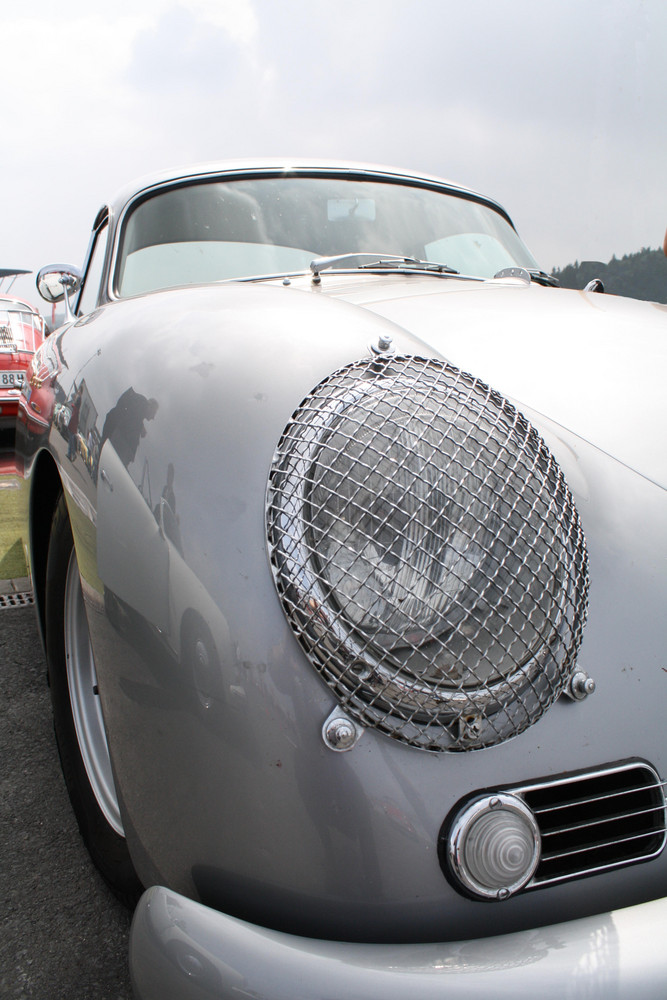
(350, 571)
(22, 330)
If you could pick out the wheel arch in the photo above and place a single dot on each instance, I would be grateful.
(45, 489)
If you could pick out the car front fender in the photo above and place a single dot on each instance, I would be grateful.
(181, 949)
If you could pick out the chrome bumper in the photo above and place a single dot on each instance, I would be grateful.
(181, 950)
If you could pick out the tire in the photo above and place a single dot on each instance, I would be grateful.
(77, 715)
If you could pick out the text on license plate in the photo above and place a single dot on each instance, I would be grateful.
(11, 380)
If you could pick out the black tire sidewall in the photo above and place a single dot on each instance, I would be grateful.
(107, 848)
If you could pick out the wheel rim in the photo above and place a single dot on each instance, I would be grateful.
(85, 701)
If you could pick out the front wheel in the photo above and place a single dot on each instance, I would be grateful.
(77, 715)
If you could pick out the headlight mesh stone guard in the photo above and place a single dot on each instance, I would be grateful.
(427, 553)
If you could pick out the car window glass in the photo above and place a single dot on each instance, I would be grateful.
(221, 230)
(21, 329)
(14, 305)
(171, 264)
(91, 287)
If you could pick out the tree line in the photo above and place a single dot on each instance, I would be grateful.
(641, 275)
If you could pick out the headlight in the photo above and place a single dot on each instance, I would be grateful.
(427, 553)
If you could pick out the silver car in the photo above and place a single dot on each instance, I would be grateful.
(350, 569)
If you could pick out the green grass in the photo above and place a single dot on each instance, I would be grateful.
(12, 560)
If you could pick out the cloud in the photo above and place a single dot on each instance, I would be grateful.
(556, 111)
(197, 49)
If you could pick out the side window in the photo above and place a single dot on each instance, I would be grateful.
(91, 286)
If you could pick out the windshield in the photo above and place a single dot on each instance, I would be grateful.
(20, 328)
(14, 305)
(212, 231)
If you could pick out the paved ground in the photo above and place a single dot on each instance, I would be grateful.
(15, 592)
(63, 936)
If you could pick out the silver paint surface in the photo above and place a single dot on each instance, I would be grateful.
(228, 793)
(182, 951)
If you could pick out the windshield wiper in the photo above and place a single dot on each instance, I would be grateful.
(380, 262)
(542, 278)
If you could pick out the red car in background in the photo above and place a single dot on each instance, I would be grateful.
(22, 330)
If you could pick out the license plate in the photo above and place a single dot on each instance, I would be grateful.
(11, 380)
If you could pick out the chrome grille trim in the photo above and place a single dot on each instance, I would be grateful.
(602, 837)
(614, 817)
(633, 834)
(596, 845)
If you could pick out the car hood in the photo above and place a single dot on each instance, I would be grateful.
(591, 363)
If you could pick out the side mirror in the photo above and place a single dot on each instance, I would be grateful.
(56, 282)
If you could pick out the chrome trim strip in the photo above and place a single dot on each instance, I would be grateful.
(655, 785)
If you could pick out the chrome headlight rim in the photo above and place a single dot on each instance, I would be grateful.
(468, 871)
(372, 681)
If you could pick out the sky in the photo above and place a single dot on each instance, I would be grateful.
(556, 109)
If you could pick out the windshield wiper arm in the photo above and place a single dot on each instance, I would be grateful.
(542, 278)
(413, 263)
(380, 261)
